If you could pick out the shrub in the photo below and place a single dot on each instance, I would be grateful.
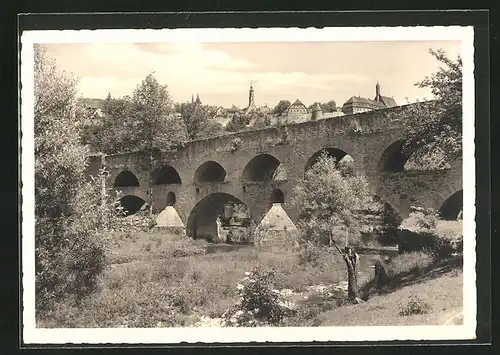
(71, 250)
(426, 220)
(410, 262)
(415, 305)
(429, 241)
(259, 302)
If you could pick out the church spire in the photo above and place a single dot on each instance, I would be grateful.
(377, 92)
(251, 96)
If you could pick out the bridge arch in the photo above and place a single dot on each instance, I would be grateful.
(209, 172)
(338, 154)
(166, 175)
(277, 196)
(392, 159)
(171, 199)
(131, 204)
(264, 168)
(452, 206)
(126, 178)
(201, 222)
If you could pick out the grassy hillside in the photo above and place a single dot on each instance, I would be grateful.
(156, 280)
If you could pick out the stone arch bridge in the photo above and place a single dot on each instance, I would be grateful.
(260, 167)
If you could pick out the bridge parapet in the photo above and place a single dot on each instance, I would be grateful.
(365, 137)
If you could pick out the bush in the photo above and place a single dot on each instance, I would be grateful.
(426, 220)
(415, 305)
(259, 302)
(429, 241)
(409, 262)
(71, 250)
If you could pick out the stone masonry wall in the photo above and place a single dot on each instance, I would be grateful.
(363, 136)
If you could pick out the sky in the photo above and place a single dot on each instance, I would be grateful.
(221, 72)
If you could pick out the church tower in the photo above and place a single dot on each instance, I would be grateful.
(377, 92)
(251, 97)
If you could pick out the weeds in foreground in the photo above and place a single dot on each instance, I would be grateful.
(415, 305)
(259, 302)
(173, 288)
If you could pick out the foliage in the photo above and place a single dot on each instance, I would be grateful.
(414, 262)
(238, 122)
(198, 120)
(145, 121)
(259, 302)
(71, 250)
(153, 111)
(281, 107)
(261, 120)
(59, 156)
(332, 196)
(423, 231)
(434, 129)
(72, 220)
(211, 129)
(155, 287)
(415, 305)
(430, 241)
(117, 131)
(329, 197)
(330, 106)
(426, 221)
(390, 217)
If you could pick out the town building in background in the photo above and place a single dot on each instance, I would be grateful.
(357, 104)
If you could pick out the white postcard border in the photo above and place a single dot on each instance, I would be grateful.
(32, 335)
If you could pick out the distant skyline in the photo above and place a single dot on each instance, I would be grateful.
(221, 72)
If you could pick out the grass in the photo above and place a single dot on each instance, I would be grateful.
(443, 294)
(151, 286)
(421, 290)
(154, 279)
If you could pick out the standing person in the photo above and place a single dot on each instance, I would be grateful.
(218, 222)
(252, 229)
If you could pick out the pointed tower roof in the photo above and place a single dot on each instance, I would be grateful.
(276, 219)
(316, 107)
(169, 218)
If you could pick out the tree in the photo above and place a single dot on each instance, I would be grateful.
(330, 106)
(329, 199)
(117, 131)
(211, 129)
(281, 107)
(197, 121)
(238, 122)
(70, 228)
(159, 130)
(433, 137)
